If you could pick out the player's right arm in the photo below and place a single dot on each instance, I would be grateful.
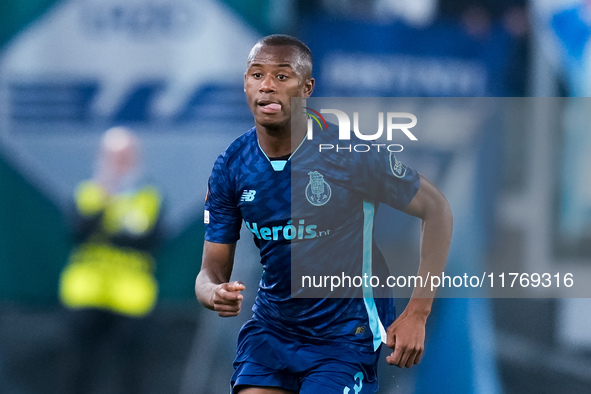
(212, 286)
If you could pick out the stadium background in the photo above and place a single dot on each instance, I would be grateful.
(172, 70)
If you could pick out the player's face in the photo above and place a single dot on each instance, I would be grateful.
(271, 81)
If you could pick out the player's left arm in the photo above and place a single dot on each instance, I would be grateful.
(406, 336)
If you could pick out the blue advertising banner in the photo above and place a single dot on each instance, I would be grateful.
(370, 59)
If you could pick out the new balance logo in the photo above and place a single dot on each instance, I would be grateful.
(248, 195)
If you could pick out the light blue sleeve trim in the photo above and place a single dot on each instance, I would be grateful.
(379, 333)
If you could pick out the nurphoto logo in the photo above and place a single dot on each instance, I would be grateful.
(395, 122)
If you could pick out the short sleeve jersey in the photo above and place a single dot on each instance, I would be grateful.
(312, 217)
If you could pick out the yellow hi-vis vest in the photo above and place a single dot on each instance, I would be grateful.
(102, 275)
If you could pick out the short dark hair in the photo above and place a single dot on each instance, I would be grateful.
(304, 62)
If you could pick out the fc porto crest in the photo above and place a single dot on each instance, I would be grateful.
(398, 169)
(318, 191)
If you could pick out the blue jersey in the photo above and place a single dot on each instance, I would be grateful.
(312, 215)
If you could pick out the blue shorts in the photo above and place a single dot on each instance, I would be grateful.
(265, 358)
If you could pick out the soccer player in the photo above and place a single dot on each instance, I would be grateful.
(305, 206)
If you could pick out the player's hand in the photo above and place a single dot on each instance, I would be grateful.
(406, 336)
(226, 299)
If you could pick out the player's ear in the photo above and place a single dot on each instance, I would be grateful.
(308, 87)
(244, 82)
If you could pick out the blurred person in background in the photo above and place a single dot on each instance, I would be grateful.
(571, 28)
(108, 284)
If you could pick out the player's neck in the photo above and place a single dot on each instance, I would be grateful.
(279, 142)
